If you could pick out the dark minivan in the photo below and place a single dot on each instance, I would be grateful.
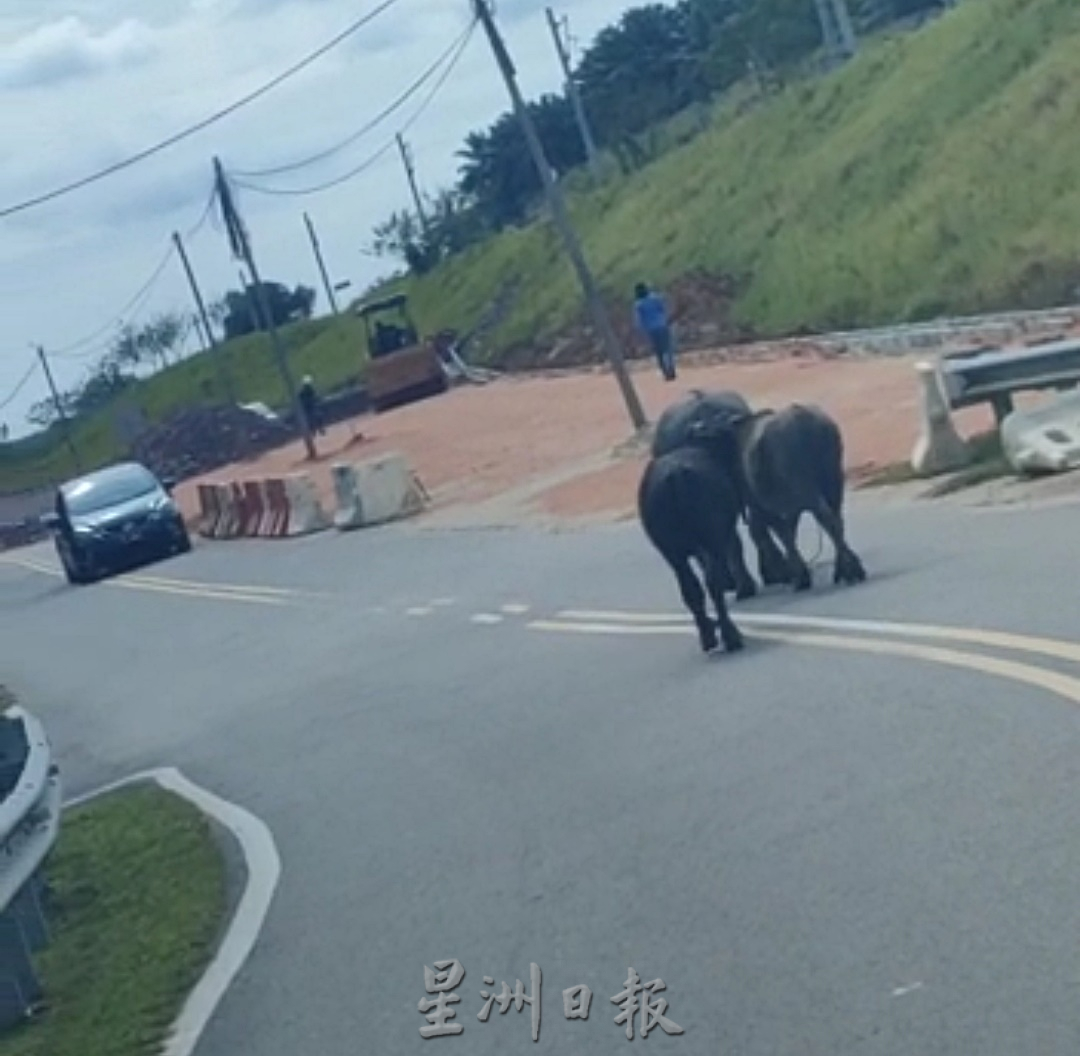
(116, 518)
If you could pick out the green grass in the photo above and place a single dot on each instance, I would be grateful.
(332, 350)
(935, 173)
(140, 895)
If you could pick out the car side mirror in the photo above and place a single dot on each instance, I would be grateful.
(169, 484)
(50, 521)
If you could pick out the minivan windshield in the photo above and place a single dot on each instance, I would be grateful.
(110, 487)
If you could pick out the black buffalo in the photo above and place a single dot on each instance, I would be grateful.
(791, 463)
(673, 431)
(689, 503)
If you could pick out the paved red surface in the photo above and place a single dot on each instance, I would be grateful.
(476, 443)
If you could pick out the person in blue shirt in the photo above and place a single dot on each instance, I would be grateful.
(651, 314)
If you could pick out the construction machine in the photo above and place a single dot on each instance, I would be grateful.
(401, 368)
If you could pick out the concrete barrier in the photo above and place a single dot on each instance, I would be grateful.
(277, 504)
(209, 510)
(349, 513)
(939, 448)
(306, 514)
(1044, 439)
(253, 507)
(274, 507)
(228, 526)
(376, 491)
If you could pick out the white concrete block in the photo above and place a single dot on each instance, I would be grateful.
(349, 513)
(374, 492)
(939, 448)
(306, 514)
(1046, 438)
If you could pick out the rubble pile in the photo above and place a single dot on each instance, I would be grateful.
(202, 439)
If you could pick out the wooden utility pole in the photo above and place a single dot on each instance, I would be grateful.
(574, 94)
(317, 249)
(561, 218)
(208, 330)
(240, 244)
(410, 174)
(65, 425)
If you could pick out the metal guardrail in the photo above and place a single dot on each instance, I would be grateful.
(993, 375)
(29, 826)
(999, 327)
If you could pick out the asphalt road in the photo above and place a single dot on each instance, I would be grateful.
(819, 849)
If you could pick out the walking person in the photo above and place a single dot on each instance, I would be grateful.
(652, 320)
(309, 402)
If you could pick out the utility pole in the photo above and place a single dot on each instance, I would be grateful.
(561, 217)
(208, 330)
(63, 418)
(322, 265)
(837, 32)
(845, 29)
(574, 93)
(410, 173)
(240, 244)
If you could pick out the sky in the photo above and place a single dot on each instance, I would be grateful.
(85, 84)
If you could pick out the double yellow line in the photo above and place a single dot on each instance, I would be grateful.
(877, 637)
(251, 595)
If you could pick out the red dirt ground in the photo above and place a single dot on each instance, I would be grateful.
(474, 444)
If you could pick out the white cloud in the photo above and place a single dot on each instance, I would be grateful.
(68, 49)
(69, 265)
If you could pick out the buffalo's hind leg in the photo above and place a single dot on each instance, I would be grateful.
(849, 567)
(771, 564)
(714, 564)
(787, 531)
(734, 575)
(694, 598)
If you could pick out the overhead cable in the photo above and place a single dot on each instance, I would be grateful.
(366, 128)
(14, 394)
(135, 303)
(191, 130)
(368, 162)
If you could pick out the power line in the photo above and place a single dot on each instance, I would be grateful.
(374, 122)
(385, 148)
(350, 175)
(191, 130)
(68, 351)
(13, 395)
(206, 214)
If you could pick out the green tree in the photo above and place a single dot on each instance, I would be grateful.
(498, 175)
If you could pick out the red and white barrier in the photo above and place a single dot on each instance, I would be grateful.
(209, 510)
(253, 506)
(276, 507)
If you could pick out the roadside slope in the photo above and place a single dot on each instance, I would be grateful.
(935, 173)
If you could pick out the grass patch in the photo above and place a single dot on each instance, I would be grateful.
(988, 462)
(139, 899)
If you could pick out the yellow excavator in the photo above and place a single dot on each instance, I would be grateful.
(401, 367)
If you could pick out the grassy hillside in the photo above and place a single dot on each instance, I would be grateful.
(936, 173)
(332, 350)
